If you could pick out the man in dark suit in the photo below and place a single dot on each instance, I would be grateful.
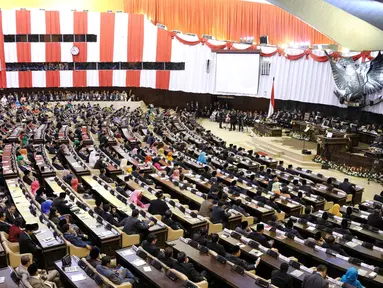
(375, 219)
(234, 258)
(158, 206)
(218, 214)
(317, 279)
(344, 228)
(4, 226)
(347, 187)
(298, 198)
(108, 216)
(323, 221)
(132, 225)
(74, 239)
(182, 265)
(237, 206)
(99, 207)
(258, 197)
(11, 214)
(307, 214)
(206, 173)
(28, 244)
(280, 166)
(330, 244)
(149, 245)
(281, 278)
(290, 229)
(168, 259)
(104, 177)
(215, 246)
(259, 237)
(201, 237)
(305, 187)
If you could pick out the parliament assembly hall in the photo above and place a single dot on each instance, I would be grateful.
(191, 143)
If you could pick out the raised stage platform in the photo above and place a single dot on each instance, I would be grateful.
(286, 149)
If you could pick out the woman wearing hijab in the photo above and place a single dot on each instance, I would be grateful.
(202, 158)
(169, 157)
(34, 186)
(46, 207)
(351, 277)
(335, 210)
(135, 197)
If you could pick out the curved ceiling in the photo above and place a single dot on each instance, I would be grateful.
(355, 24)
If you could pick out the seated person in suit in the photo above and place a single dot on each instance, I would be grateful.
(276, 223)
(22, 270)
(280, 166)
(99, 207)
(149, 245)
(344, 228)
(117, 276)
(35, 280)
(201, 237)
(215, 246)
(330, 244)
(158, 206)
(234, 189)
(260, 238)
(234, 255)
(375, 219)
(185, 267)
(244, 228)
(70, 236)
(167, 219)
(259, 197)
(104, 177)
(316, 279)
(305, 187)
(206, 173)
(168, 259)
(349, 215)
(290, 229)
(323, 221)
(132, 225)
(271, 202)
(218, 214)
(4, 226)
(27, 177)
(299, 199)
(28, 244)
(281, 278)
(307, 214)
(347, 187)
(108, 216)
(317, 238)
(94, 257)
(237, 206)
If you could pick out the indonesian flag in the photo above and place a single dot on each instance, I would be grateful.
(271, 106)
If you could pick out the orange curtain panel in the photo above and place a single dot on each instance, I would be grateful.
(228, 19)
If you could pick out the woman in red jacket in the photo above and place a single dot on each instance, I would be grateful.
(15, 230)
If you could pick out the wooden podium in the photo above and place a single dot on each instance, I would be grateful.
(327, 147)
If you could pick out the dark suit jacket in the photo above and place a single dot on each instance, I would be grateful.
(240, 262)
(320, 221)
(218, 215)
(11, 219)
(4, 227)
(347, 187)
(314, 280)
(200, 239)
(216, 247)
(109, 217)
(76, 241)
(261, 239)
(134, 226)
(306, 188)
(335, 247)
(281, 279)
(168, 261)
(188, 270)
(158, 207)
(27, 244)
(151, 248)
(375, 221)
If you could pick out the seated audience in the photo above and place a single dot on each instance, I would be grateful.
(149, 245)
(215, 246)
(260, 238)
(234, 255)
(28, 243)
(135, 198)
(4, 226)
(158, 206)
(168, 259)
(185, 267)
(344, 228)
(244, 229)
(117, 276)
(108, 216)
(323, 220)
(132, 225)
(71, 236)
(347, 187)
(281, 278)
(330, 244)
(167, 219)
(94, 257)
(11, 214)
(104, 177)
(218, 214)
(317, 279)
(290, 229)
(201, 237)
(99, 207)
(375, 219)
(307, 214)
(317, 238)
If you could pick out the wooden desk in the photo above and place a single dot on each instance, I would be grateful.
(54, 248)
(15, 135)
(311, 257)
(359, 216)
(67, 276)
(333, 195)
(268, 130)
(191, 225)
(188, 197)
(8, 283)
(363, 234)
(154, 278)
(86, 139)
(77, 166)
(122, 208)
(369, 256)
(370, 205)
(223, 272)
(8, 162)
(317, 204)
(267, 264)
(44, 168)
(128, 136)
(269, 162)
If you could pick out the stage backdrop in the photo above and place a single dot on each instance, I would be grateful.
(123, 41)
